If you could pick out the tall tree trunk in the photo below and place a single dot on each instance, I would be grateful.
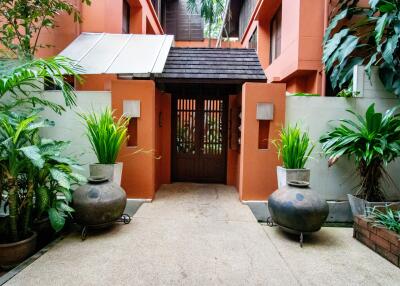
(13, 207)
(1, 187)
(209, 34)
(28, 210)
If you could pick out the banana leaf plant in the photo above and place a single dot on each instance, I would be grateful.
(23, 157)
(373, 141)
(359, 35)
(54, 181)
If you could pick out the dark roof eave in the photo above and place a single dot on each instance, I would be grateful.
(216, 65)
(208, 81)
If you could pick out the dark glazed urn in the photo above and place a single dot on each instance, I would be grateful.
(297, 208)
(99, 203)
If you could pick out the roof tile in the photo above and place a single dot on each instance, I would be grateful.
(211, 63)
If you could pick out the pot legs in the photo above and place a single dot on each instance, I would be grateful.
(125, 218)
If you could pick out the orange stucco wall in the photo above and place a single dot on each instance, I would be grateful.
(60, 37)
(303, 23)
(96, 82)
(102, 16)
(147, 165)
(139, 171)
(257, 167)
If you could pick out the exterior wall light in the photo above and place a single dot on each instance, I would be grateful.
(265, 111)
(131, 108)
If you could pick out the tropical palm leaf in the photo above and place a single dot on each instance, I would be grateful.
(22, 81)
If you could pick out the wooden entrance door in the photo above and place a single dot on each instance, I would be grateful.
(199, 135)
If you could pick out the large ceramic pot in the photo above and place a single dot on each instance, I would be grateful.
(113, 172)
(297, 208)
(99, 203)
(11, 254)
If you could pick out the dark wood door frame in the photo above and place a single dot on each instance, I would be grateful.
(203, 166)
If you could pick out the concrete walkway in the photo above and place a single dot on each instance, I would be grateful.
(202, 235)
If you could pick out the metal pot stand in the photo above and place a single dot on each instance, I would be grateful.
(125, 219)
(301, 234)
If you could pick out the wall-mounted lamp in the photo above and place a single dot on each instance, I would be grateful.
(131, 108)
(264, 115)
(265, 111)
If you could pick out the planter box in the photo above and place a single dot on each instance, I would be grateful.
(363, 207)
(381, 240)
(113, 172)
(287, 175)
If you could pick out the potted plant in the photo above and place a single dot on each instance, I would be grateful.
(294, 147)
(53, 189)
(106, 136)
(373, 141)
(23, 155)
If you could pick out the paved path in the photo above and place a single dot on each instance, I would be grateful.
(202, 235)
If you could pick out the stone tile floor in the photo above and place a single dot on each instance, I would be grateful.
(196, 234)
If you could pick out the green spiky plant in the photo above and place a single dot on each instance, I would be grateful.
(372, 140)
(387, 218)
(106, 134)
(294, 147)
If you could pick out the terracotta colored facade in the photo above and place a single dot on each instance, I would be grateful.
(302, 27)
(251, 169)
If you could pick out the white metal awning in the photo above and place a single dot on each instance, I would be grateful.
(124, 54)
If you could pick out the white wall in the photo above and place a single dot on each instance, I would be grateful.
(318, 115)
(69, 126)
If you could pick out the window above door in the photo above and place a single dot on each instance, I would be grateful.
(275, 35)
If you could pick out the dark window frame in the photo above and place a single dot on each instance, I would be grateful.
(126, 17)
(253, 40)
(275, 35)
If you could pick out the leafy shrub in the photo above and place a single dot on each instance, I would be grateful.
(373, 141)
(363, 35)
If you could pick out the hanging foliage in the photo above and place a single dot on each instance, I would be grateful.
(367, 36)
(22, 22)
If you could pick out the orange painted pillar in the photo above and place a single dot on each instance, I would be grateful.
(257, 174)
(139, 171)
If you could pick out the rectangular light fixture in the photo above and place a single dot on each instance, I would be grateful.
(131, 108)
(265, 111)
